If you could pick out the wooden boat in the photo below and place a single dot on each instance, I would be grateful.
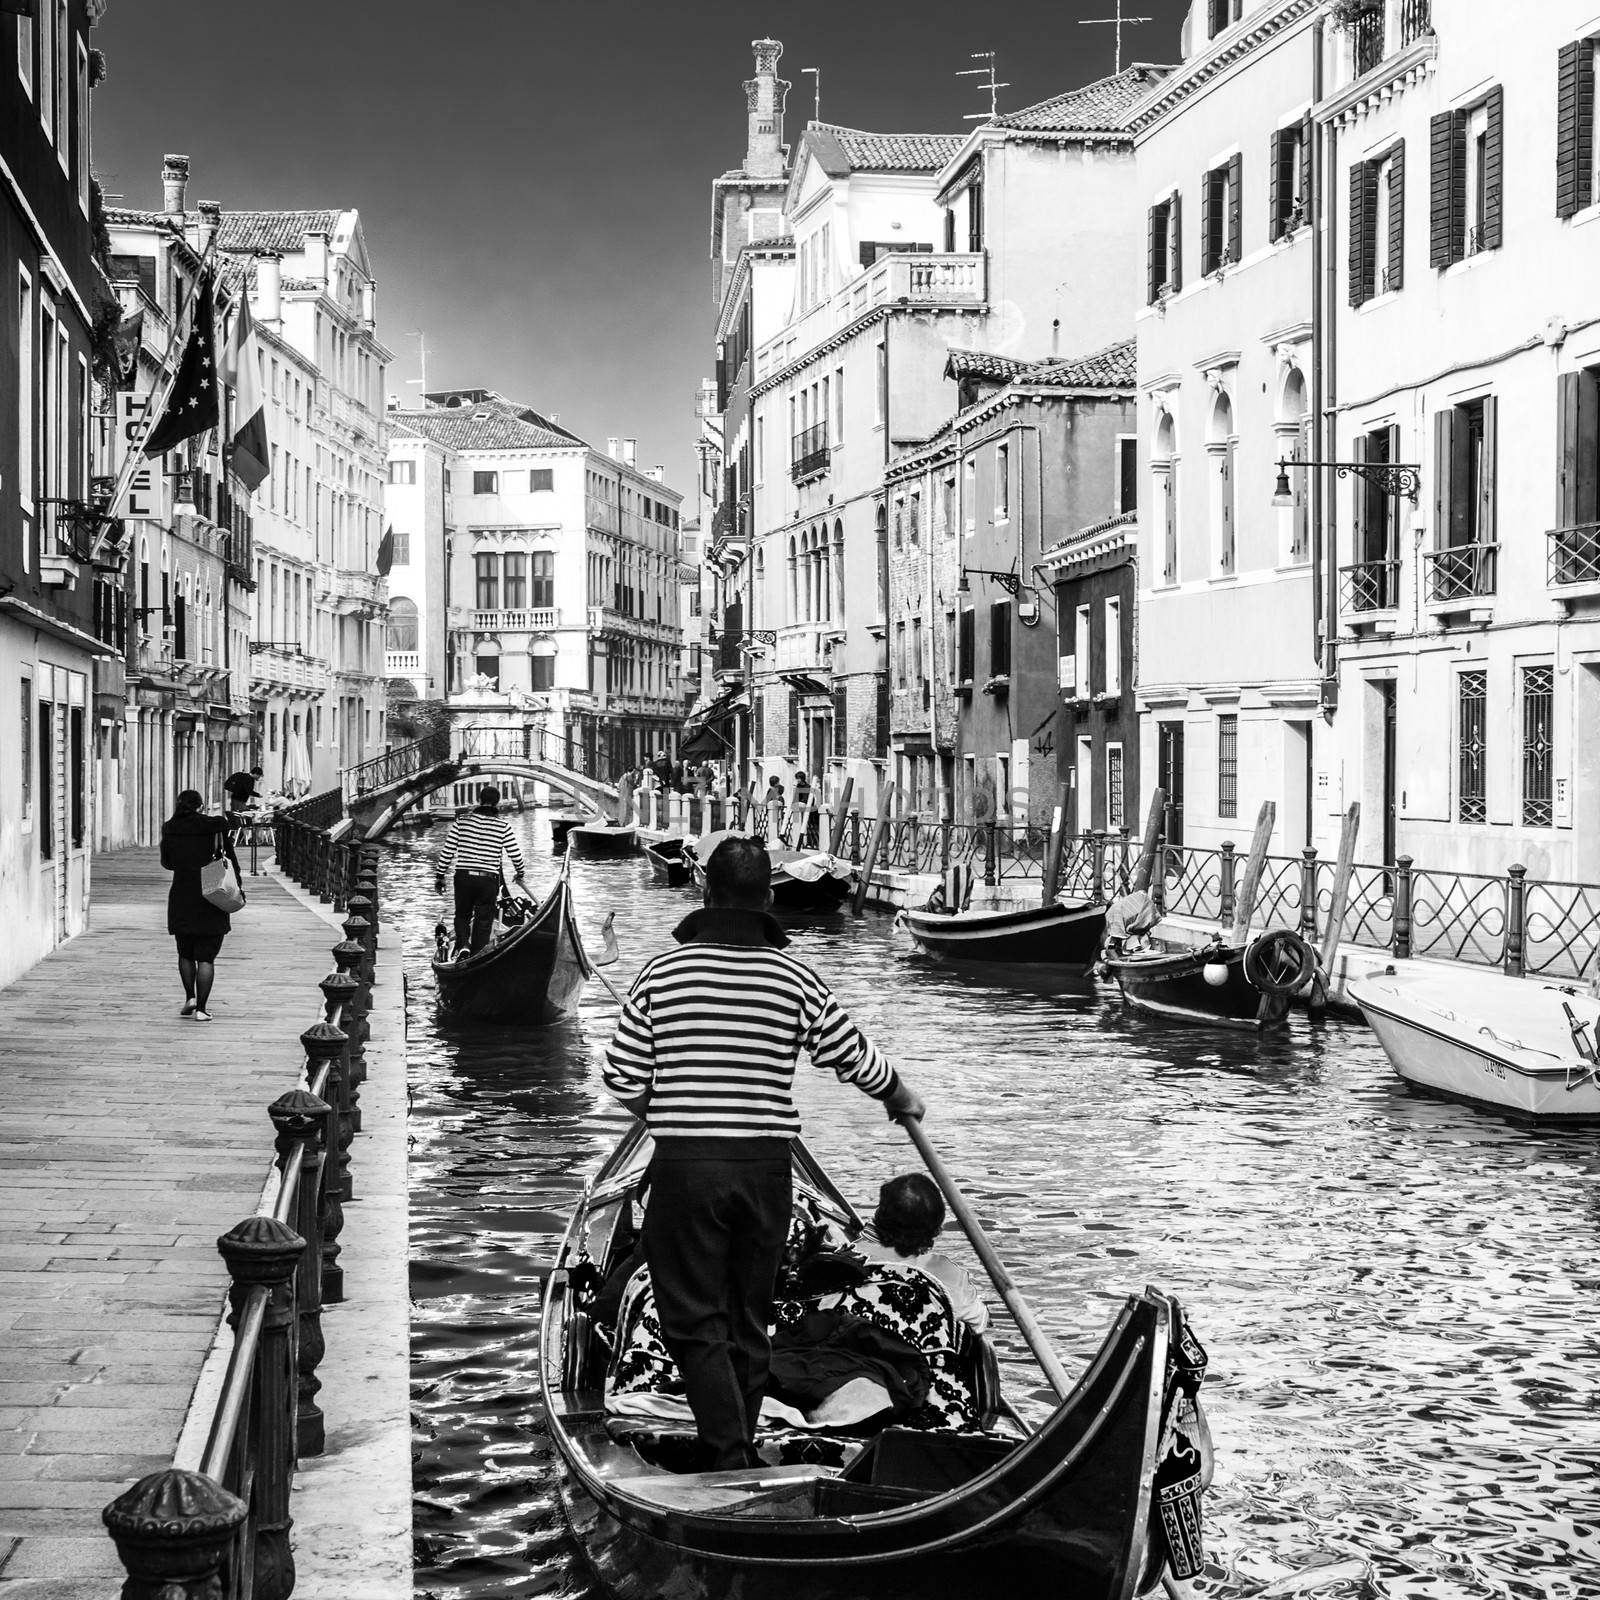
(1066, 933)
(1063, 1510)
(561, 824)
(806, 881)
(668, 861)
(600, 839)
(533, 972)
(1207, 985)
(1511, 1043)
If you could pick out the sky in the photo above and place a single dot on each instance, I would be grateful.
(534, 176)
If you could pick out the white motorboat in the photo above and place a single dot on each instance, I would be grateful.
(1512, 1043)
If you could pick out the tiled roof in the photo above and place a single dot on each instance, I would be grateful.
(980, 364)
(1110, 368)
(852, 149)
(131, 217)
(285, 231)
(485, 425)
(1100, 107)
(783, 242)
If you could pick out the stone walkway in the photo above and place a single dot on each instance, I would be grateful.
(130, 1138)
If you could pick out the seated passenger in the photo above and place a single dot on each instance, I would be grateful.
(902, 1233)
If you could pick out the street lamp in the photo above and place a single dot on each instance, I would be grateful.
(1391, 477)
(1026, 596)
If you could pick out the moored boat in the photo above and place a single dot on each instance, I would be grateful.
(668, 862)
(1206, 985)
(1066, 933)
(805, 881)
(561, 824)
(1068, 1508)
(600, 839)
(1511, 1043)
(533, 972)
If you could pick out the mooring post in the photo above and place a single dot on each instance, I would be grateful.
(1516, 920)
(1225, 871)
(172, 1530)
(300, 1119)
(989, 875)
(1308, 894)
(1402, 907)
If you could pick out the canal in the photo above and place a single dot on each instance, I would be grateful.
(1398, 1294)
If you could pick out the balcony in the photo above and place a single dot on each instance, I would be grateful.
(808, 456)
(402, 663)
(1369, 594)
(1573, 562)
(278, 672)
(1458, 575)
(919, 279)
(1389, 44)
(538, 619)
(355, 592)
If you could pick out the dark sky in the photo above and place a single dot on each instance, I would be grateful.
(534, 176)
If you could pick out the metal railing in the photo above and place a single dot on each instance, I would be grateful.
(224, 1530)
(1416, 20)
(1369, 586)
(394, 766)
(1367, 39)
(528, 743)
(1573, 554)
(1460, 572)
(809, 452)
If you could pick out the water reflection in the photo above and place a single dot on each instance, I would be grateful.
(1398, 1294)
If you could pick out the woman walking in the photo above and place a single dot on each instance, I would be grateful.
(189, 839)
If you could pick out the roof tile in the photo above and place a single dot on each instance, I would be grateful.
(246, 231)
(484, 425)
(1099, 107)
(890, 152)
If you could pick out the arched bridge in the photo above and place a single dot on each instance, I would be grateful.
(379, 792)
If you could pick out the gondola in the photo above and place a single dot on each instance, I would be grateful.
(668, 862)
(1072, 1508)
(600, 839)
(803, 881)
(1224, 983)
(1066, 933)
(561, 824)
(534, 972)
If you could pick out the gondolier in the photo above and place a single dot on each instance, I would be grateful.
(705, 1053)
(473, 847)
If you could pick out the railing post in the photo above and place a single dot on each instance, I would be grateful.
(988, 855)
(1122, 861)
(1229, 864)
(1516, 920)
(1158, 874)
(172, 1530)
(855, 837)
(1308, 893)
(1402, 908)
(1097, 864)
(300, 1119)
(323, 1042)
(945, 829)
(261, 1252)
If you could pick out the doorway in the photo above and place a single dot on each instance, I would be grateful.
(1169, 776)
(1389, 802)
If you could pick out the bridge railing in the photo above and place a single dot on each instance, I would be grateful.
(395, 766)
(489, 742)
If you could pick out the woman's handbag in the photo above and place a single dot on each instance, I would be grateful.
(219, 883)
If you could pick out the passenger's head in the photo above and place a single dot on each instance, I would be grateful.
(739, 875)
(489, 796)
(188, 800)
(910, 1214)
(255, 772)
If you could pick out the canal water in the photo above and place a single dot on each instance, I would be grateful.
(1398, 1294)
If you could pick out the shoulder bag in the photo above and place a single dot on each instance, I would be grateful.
(219, 883)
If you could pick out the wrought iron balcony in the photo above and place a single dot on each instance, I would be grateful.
(1460, 572)
(1369, 586)
(809, 456)
(1574, 554)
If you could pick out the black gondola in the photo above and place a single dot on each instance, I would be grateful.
(1066, 933)
(1064, 1510)
(668, 862)
(805, 881)
(1234, 985)
(534, 972)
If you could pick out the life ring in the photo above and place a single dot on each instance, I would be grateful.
(1279, 962)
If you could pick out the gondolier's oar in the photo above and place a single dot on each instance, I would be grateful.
(993, 1265)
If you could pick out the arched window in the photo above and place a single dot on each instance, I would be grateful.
(1164, 471)
(486, 660)
(1221, 444)
(401, 631)
(794, 581)
(838, 567)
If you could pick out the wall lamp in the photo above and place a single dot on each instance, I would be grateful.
(291, 645)
(1027, 597)
(141, 612)
(1391, 477)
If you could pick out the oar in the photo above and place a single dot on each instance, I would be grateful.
(1337, 903)
(1245, 901)
(993, 1265)
(1152, 841)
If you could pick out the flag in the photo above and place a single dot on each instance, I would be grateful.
(386, 552)
(241, 370)
(191, 406)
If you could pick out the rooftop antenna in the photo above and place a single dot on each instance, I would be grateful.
(1117, 21)
(994, 88)
(422, 358)
(816, 91)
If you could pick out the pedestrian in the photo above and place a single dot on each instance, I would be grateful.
(189, 839)
(705, 1053)
(662, 768)
(775, 791)
(240, 789)
(473, 847)
(802, 800)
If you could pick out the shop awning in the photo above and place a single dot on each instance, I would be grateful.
(705, 744)
(725, 705)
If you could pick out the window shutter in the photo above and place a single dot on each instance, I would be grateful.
(1397, 217)
(1493, 165)
(964, 648)
(1486, 528)
(1568, 58)
(1155, 254)
(1304, 196)
(1443, 476)
(1175, 230)
(1391, 512)
(1567, 450)
(1443, 182)
(1361, 230)
(1235, 207)
(758, 726)
(841, 719)
(1276, 178)
(1208, 223)
(1358, 503)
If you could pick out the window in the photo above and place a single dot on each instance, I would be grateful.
(1080, 654)
(46, 12)
(1575, 120)
(402, 472)
(25, 395)
(47, 761)
(1219, 13)
(964, 646)
(899, 524)
(900, 655)
(1464, 200)
(544, 672)
(62, 81)
(1377, 225)
(1000, 639)
(1127, 473)
(544, 580)
(1375, 526)
(25, 52)
(1537, 720)
(969, 494)
(1228, 765)
(838, 406)
(25, 750)
(1002, 483)
(948, 512)
(1289, 179)
(975, 218)
(81, 152)
(515, 571)
(1471, 745)
(917, 674)
(400, 631)
(1221, 221)
(1464, 473)
(402, 546)
(486, 483)
(1113, 647)
(914, 519)
(486, 662)
(488, 585)
(1165, 259)
(1116, 809)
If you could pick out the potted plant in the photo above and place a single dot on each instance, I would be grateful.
(1347, 13)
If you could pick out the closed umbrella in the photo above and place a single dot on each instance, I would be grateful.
(296, 766)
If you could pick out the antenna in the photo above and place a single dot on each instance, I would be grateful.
(994, 88)
(1117, 21)
(816, 91)
(422, 358)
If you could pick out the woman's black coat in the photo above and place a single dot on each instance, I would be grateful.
(188, 841)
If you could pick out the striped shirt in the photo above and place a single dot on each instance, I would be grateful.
(475, 841)
(712, 1031)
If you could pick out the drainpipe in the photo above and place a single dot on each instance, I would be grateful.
(1329, 369)
(1314, 204)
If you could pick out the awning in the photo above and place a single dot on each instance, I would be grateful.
(725, 705)
(804, 683)
(705, 744)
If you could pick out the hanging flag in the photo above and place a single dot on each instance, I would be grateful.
(241, 369)
(191, 406)
(386, 552)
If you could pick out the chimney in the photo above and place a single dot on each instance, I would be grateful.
(269, 288)
(210, 221)
(611, 448)
(764, 95)
(394, 402)
(174, 184)
(316, 248)
(627, 451)
(658, 472)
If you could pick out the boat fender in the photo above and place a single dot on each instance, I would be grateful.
(1215, 973)
(1279, 962)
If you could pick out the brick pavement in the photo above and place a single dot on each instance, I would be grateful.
(130, 1138)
